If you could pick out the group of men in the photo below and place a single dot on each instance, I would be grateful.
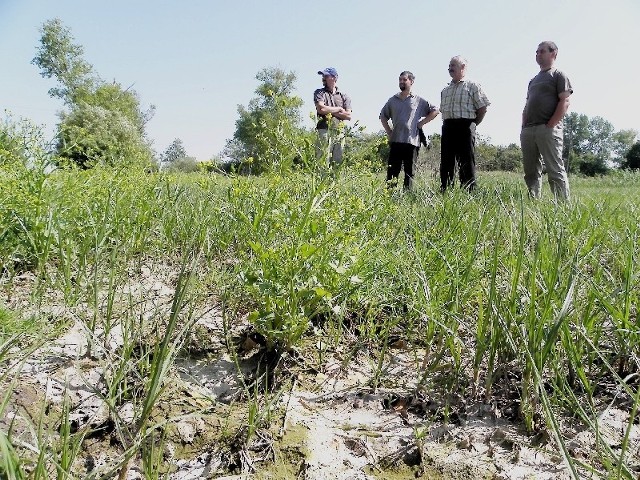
(463, 105)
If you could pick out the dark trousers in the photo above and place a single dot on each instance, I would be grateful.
(401, 154)
(458, 145)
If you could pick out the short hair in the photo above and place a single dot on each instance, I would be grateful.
(550, 45)
(409, 75)
(460, 59)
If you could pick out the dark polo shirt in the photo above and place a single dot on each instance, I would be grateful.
(542, 96)
(337, 99)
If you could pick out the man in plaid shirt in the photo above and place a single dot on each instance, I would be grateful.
(463, 106)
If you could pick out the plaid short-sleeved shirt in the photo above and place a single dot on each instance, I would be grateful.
(462, 100)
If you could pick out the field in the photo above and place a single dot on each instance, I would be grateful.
(309, 326)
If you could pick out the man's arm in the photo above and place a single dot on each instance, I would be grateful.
(428, 118)
(480, 113)
(323, 109)
(343, 114)
(561, 109)
(385, 125)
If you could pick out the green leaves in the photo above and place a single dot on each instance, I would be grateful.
(104, 124)
(269, 134)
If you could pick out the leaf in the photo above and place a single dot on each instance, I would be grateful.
(306, 250)
(321, 292)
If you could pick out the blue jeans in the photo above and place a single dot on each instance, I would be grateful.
(541, 143)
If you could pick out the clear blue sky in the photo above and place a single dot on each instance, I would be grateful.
(196, 60)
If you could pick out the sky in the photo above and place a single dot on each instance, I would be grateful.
(196, 60)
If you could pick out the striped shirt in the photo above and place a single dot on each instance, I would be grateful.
(462, 100)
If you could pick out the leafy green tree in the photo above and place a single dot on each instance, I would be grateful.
(104, 123)
(268, 131)
(591, 165)
(633, 157)
(509, 158)
(58, 57)
(486, 154)
(89, 135)
(600, 140)
(576, 133)
(591, 145)
(623, 141)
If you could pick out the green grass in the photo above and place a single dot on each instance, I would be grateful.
(480, 282)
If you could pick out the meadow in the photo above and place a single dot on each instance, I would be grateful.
(526, 307)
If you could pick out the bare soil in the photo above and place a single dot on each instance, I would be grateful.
(321, 422)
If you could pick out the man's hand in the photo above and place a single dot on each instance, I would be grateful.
(423, 138)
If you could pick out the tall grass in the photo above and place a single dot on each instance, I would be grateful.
(499, 293)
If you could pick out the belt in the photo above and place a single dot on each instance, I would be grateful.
(459, 120)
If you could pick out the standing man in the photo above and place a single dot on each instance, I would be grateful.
(408, 113)
(331, 106)
(463, 105)
(542, 127)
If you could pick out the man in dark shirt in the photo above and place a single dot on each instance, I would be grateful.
(542, 126)
(408, 114)
(332, 107)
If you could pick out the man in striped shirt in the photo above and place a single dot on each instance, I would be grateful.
(463, 106)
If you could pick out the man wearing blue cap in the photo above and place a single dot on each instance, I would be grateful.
(332, 107)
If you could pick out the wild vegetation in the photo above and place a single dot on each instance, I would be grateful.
(526, 307)
(500, 295)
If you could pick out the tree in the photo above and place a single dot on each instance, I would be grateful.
(173, 153)
(268, 133)
(633, 157)
(592, 146)
(576, 131)
(58, 57)
(623, 141)
(104, 123)
(89, 135)
(509, 158)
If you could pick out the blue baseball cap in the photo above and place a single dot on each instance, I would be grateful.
(328, 71)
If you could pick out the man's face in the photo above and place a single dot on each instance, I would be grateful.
(544, 56)
(328, 81)
(456, 70)
(405, 83)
